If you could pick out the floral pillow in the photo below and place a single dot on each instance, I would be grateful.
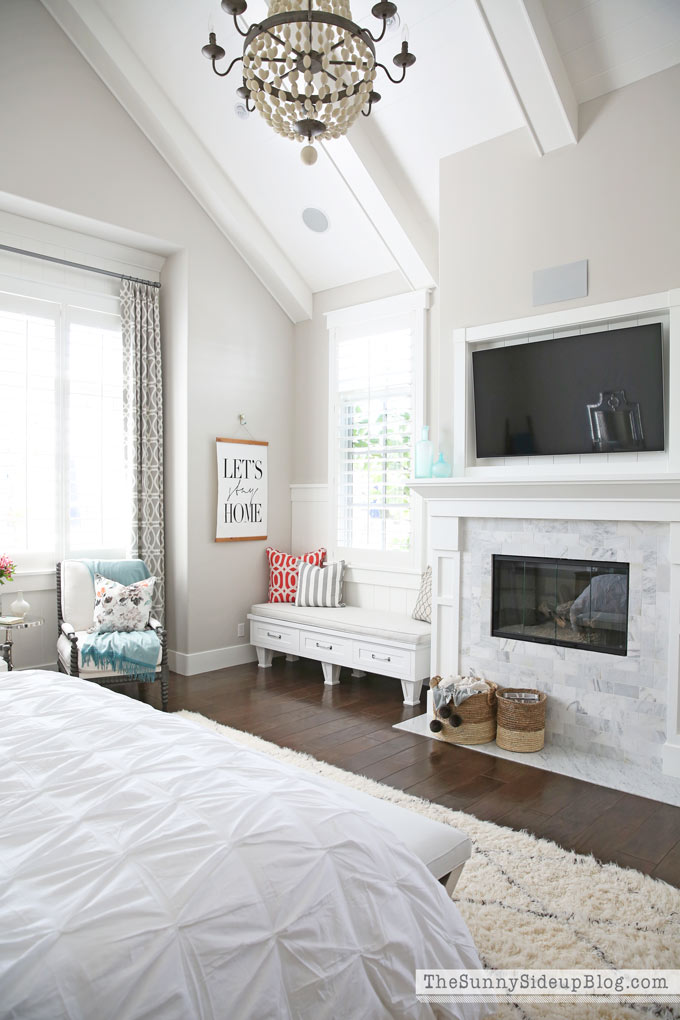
(117, 607)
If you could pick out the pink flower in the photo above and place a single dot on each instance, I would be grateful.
(7, 568)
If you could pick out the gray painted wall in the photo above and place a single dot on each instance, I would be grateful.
(69, 145)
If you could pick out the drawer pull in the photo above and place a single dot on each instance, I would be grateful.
(381, 658)
(277, 636)
(326, 648)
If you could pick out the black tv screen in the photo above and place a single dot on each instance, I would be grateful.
(596, 393)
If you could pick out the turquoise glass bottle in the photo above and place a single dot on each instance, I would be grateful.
(424, 455)
(442, 468)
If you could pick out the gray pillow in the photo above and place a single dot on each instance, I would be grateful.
(320, 586)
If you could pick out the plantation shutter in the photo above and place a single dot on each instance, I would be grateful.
(29, 468)
(374, 434)
(63, 485)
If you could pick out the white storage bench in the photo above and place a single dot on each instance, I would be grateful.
(367, 641)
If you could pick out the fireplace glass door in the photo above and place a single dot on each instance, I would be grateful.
(573, 603)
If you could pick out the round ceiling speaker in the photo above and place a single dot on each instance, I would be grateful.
(315, 220)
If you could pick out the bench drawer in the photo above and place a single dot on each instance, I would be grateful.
(315, 645)
(383, 659)
(274, 635)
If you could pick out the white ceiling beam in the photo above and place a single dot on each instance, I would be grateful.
(125, 76)
(527, 50)
(389, 201)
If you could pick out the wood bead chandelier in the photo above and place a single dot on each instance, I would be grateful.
(308, 69)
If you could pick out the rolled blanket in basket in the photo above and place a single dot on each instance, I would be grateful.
(457, 689)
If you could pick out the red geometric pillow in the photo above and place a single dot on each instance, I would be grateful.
(283, 572)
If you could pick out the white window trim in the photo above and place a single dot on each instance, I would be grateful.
(415, 303)
(95, 300)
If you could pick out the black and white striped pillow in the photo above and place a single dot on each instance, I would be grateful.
(320, 586)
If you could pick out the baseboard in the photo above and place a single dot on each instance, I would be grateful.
(204, 662)
(670, 756)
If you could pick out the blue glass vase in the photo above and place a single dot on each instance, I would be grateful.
(442, 468)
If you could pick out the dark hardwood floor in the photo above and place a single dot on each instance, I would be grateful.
(351, 726)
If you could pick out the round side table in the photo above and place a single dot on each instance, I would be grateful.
(6, 646)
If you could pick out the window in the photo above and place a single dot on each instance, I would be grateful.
(377, 372)
(63, 488)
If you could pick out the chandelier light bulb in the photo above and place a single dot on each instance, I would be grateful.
(308, 69)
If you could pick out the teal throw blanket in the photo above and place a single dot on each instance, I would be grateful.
(123, 571)
(133, 653)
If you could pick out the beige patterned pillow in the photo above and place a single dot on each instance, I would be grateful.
(117, 607)
(423, 607)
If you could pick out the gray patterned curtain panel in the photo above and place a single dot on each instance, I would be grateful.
(143, 411)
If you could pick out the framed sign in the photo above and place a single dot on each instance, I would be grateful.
(241, 490)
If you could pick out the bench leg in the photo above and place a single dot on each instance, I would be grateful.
(411, 690)
(358, 673)
(450, 881)
(292, 658)
(264, 657)
(331, 674)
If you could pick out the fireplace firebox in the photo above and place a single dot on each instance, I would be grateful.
(572, 603)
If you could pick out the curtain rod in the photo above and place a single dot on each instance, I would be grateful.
(76, 265)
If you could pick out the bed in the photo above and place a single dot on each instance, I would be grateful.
(152, 869)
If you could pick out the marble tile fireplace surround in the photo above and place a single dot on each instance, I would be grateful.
(620, 707)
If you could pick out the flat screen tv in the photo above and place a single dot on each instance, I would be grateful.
(596, 393)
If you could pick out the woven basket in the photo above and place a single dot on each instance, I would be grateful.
(521, 726)
(473, 722)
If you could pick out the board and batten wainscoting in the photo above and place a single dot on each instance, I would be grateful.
(388, 590)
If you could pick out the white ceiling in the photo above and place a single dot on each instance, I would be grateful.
(477, 61)
(455, 96)
(606, 44)
(265, 168)
(454, 54)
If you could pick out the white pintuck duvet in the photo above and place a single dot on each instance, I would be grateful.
(151, 869)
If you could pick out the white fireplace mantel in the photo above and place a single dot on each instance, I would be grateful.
(634, 499)
(650, 498)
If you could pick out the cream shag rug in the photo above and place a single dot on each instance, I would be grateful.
(531, 904)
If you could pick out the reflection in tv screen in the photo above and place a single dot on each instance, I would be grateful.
(596, 393)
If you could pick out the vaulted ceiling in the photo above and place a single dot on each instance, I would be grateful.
(485, 67)
(606, 44)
